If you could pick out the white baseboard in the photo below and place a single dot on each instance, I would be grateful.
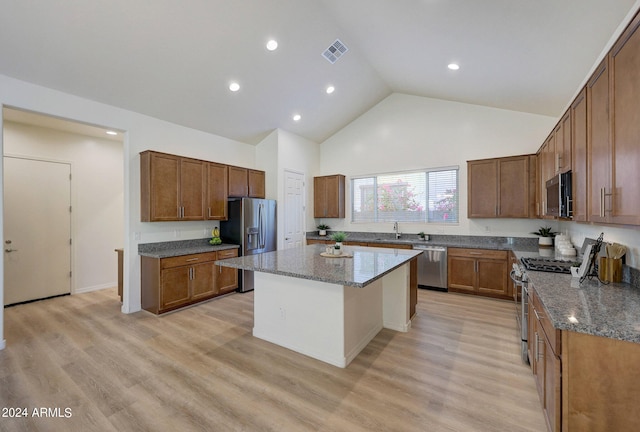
(95, 288)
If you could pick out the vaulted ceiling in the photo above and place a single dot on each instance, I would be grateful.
(174, 60)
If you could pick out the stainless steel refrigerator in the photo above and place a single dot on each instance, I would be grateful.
(252, 225)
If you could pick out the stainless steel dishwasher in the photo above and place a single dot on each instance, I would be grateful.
(432, 267)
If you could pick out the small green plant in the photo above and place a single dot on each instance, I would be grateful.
(544, 232)
(323, 227)
(421, 234)
(338, 237)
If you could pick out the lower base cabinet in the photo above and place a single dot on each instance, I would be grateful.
(482, 272)
(585, 383)
(175, 282)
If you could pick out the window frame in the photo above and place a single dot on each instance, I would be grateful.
(425, 171)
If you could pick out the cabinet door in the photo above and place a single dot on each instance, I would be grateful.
(579, 156)
(174, 287)
(203, 281)
(461, 274)
(564, 152)
(625, 123)
(226, 277)
(328, 196)
(513, 187)
(256, 185)
(598, 143)
(552, 387)
(492, 277)
(217, 191)
(192, 183)
(482, 188)
(238, 182)
(164, 187)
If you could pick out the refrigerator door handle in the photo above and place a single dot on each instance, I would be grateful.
(261, 226)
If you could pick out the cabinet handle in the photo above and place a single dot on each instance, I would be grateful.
(601, 202)
(538, 340)
(193, 273)
(475, 253)
(535, 348)
(192, 259)
(535, 311)
(209, 211)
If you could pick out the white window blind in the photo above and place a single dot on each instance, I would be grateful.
(418, 196)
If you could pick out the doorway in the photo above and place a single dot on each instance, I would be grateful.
(37, 229)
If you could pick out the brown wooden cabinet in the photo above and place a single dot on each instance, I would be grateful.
(217, 191)
(579, 157)
(328, 196)
(562, 147)
(244, 182)
(478, 271)
(624, 202)
(545, 362)
(501, 187)
(171, 187)
(175, 282)
(598, 141)
(226, 277)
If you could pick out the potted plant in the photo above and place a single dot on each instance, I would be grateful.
(546, 236)
(322, 229)
(423, 236)
(337, 250)
(338, 237)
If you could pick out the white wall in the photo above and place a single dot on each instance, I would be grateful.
(97, 196)
(410, 132)
(142, 133)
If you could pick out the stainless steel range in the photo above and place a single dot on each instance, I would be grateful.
(547, 265)
(521, 298)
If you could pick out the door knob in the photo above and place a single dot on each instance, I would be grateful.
(11, 250)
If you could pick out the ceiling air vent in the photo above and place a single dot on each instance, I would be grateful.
(335, 51)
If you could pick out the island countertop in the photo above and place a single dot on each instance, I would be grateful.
(365, 266)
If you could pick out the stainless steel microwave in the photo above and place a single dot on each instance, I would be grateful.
(559, 196)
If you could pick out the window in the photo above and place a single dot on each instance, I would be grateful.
(419, 196)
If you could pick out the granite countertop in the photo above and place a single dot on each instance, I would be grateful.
(593, 308)
(180, 247)
(472, 242)
(366, 265)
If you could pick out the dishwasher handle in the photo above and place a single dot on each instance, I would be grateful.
(431, 248)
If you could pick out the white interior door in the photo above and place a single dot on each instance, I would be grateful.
(293, 209)
(37, 229)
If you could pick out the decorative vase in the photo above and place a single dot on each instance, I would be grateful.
(338, 245)
(337, 251)
(545, 241)
(322, 232)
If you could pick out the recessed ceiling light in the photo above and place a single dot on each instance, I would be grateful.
(330, 89)
(272, 45)
(297, 117)
(453, 66)
(112, 133)
(234, 86)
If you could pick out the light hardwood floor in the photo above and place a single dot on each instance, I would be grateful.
(199, 369)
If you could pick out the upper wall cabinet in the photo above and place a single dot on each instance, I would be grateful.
(624, 204)
(502, 187)
(244, 182)
(328, 196)
(217, 190)
(579, 156)
(171, 187)
(175, 188)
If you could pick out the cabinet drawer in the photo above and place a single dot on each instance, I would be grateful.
(227, 253)
(187, 260)
(552, 335)
(478, 253)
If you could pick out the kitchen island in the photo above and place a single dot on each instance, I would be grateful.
(328, 308)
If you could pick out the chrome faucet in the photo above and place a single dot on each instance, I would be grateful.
(395, 228)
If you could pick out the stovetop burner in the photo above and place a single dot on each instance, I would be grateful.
(547, 265)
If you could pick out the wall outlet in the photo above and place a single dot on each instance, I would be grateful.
(137, 235)
(283, 314)
(176, 233)
(487, 228)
